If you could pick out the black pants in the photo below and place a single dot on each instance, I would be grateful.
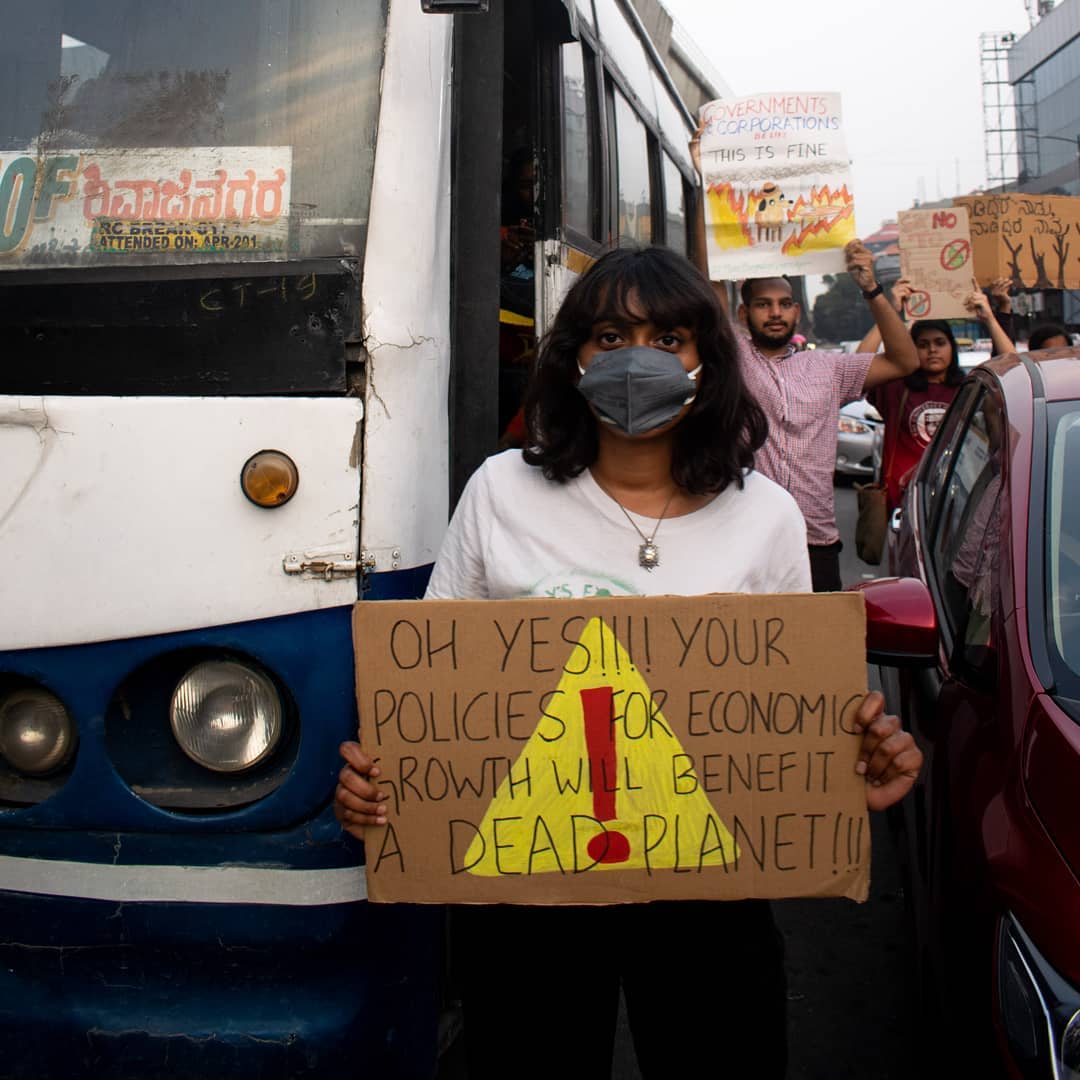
(704, 982)
(825, 566)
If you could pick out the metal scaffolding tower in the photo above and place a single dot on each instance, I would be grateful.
(1009, 116)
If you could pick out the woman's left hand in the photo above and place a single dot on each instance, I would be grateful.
(888, 758)
(901, 293)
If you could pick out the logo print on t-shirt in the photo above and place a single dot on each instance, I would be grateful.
(925, 420)
(581, 585)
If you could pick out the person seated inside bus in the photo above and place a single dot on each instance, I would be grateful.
(639, 464)
(517, 294)
(517, 234)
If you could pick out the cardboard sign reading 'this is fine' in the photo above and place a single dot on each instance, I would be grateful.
(776, 185)
(617, 749)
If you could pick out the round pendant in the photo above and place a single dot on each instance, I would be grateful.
(649, 555)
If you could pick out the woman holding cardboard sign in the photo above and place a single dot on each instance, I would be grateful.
(637, 479)
(913, 407)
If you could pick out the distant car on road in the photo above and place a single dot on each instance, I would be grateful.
(858, 440)
(980, 642)
(972, 358)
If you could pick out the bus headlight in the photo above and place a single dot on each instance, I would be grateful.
(225, 715)
(37, 736)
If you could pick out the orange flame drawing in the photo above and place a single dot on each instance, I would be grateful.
(728, 216)
(826, 212)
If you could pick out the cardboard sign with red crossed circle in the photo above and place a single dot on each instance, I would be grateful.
(935, 255)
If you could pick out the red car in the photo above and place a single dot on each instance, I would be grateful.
(979, 639)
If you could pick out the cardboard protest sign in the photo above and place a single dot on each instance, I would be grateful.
(935, 255)
(616, 749)
(778, 196)
(1027, 238)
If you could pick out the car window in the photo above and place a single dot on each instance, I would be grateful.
(1063, 542)
(965, 539)
(941, 452)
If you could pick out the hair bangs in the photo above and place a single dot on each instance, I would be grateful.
(715, 442)
(638, 290)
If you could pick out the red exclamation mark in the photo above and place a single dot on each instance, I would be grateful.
(609, 847)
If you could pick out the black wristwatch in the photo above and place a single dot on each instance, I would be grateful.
(876, 291)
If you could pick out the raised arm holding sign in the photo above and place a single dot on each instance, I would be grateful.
(797, 387)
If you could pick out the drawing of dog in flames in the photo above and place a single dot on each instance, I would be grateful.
(771, 214)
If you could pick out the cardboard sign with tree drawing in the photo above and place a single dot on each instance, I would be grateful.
(935, 256)
(1028, 238)
(617, 749)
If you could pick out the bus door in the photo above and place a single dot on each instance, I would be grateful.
(565, 108)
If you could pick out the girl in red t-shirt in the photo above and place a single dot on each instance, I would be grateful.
(914, 407)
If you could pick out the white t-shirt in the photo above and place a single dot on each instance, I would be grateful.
(516, 534)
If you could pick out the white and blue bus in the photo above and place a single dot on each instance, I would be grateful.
(253, 278)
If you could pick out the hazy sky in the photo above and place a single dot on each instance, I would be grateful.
(909, 75)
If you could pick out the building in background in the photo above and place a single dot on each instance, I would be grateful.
(1044, 67)
(1031, 120)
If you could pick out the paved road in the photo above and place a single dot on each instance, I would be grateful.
(850, 1010)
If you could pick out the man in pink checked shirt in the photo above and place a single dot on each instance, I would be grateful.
(802, 391)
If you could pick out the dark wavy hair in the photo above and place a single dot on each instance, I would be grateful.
(714, 442)
(1042, 333)
(954, 373)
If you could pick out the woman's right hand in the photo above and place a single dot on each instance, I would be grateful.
(999, 293)
(358, 802)
(901, 292)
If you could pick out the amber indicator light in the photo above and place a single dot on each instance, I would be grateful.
(269, 478)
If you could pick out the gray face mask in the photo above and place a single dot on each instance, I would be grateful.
(637, 389)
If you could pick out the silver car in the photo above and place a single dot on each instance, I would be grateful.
(858, 440)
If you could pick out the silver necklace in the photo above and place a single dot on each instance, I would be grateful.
(648, 553)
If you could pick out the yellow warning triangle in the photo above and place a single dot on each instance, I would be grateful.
(602, 783)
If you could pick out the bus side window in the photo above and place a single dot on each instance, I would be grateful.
(581, 207)
(633, 175)
(674, 206)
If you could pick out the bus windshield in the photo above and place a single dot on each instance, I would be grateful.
(152, 133)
